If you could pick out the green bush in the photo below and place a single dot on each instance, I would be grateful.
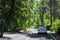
(56, 26)
(48, 27)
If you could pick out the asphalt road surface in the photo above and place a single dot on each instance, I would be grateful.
(32, 34)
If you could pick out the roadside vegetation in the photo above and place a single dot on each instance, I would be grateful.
(25, 14)
(56, 26)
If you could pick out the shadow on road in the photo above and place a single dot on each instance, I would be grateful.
(5, 38)
(36, 35)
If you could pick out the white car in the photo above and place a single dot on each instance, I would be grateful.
(42, 30)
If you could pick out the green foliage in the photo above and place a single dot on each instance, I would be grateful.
(24, 14)
(56, 26)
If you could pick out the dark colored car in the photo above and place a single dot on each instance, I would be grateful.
(42, 29)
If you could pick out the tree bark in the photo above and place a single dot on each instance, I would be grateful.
(51, 12)
(54, 6)
(42, 15)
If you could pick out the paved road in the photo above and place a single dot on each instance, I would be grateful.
(33, 35)
(30, 35)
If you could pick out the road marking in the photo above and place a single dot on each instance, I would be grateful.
(52, 36)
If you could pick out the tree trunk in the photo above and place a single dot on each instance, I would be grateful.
(1, 18)
(51, 12)
(54, 6)
(42, 15)
(9, 14)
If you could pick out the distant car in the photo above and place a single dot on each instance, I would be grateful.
(42, 30)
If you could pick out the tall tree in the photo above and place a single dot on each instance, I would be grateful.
(2, 6)
(51, 12)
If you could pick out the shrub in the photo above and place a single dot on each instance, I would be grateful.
(48, 27)
(56, 26)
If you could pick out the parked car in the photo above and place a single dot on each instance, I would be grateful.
(42, 29)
